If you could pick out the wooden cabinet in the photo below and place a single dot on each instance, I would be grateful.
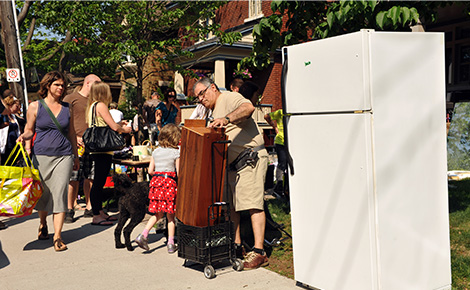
(202, 171)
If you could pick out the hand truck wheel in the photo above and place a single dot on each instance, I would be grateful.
(237, 264)
(209, 272)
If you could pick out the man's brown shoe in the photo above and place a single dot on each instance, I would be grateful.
(254, 260)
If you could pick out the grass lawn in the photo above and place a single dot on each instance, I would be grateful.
(460, 249)
(281, 260)
(459, 219)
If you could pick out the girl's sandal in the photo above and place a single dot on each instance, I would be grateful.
(43, 234)
(59, 245)
(79, 207)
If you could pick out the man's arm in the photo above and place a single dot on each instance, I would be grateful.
(158, 119)
(241, 113)
(271, 122)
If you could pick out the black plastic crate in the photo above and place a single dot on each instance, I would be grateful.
(194, 243)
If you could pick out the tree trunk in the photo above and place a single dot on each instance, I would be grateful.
(24, 12)
(63, 56)
(30, 34)
(10, 42)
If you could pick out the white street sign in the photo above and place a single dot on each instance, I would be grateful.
(13, 75)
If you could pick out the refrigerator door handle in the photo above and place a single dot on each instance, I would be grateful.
(290, 161)
(283, 80)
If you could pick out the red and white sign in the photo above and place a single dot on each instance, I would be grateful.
(13, 75)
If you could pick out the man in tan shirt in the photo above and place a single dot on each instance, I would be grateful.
(78, 102)
(232, 111)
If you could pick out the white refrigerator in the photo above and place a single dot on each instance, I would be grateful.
(365, 127)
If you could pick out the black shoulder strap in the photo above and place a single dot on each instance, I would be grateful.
(52, 116)
(93, 114)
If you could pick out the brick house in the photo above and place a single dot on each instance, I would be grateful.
(220, 61)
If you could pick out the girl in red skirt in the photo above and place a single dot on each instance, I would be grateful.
(164, 166)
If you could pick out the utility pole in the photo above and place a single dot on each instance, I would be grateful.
(10, 42)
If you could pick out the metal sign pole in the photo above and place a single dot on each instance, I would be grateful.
(20, 53)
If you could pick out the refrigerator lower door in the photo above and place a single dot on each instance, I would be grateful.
(332, 201)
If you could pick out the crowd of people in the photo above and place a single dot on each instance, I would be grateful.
(53, 136)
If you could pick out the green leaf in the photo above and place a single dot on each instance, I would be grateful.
(394, 15)
(339, 16)
(346, 10)
(257, 30)
(330, 18)
(414, 14)
(406, 15)
(380, 19)
(275, 5)
(372, 4)
(325, 33)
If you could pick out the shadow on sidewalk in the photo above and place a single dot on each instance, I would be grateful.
(4, 261)
(12, 221)
(70, 234)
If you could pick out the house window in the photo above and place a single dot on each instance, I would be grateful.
(254, 10)
(457, 59)
(463, 73)
(206, 22)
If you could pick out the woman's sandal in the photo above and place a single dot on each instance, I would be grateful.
(59, 245)
(43, 234)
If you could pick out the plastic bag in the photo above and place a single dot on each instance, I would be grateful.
(20, 187)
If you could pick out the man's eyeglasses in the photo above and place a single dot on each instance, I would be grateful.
(202, 93)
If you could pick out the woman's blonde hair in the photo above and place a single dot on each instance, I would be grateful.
(10, 100)
(169, 136)
(99, 92)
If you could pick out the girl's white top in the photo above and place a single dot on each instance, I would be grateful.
(164, 159)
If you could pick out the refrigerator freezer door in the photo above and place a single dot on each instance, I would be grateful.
(328, 75)
(332, 201)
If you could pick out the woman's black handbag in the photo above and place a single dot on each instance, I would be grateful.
(102, 139)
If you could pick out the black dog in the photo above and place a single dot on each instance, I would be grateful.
(132, 205)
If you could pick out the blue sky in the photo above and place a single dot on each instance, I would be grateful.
(49, 34)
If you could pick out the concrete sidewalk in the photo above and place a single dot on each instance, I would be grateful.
(92, 262)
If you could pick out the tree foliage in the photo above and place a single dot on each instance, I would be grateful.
(307, 20)
(98, 36)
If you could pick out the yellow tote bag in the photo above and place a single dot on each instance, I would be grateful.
(20, 187)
